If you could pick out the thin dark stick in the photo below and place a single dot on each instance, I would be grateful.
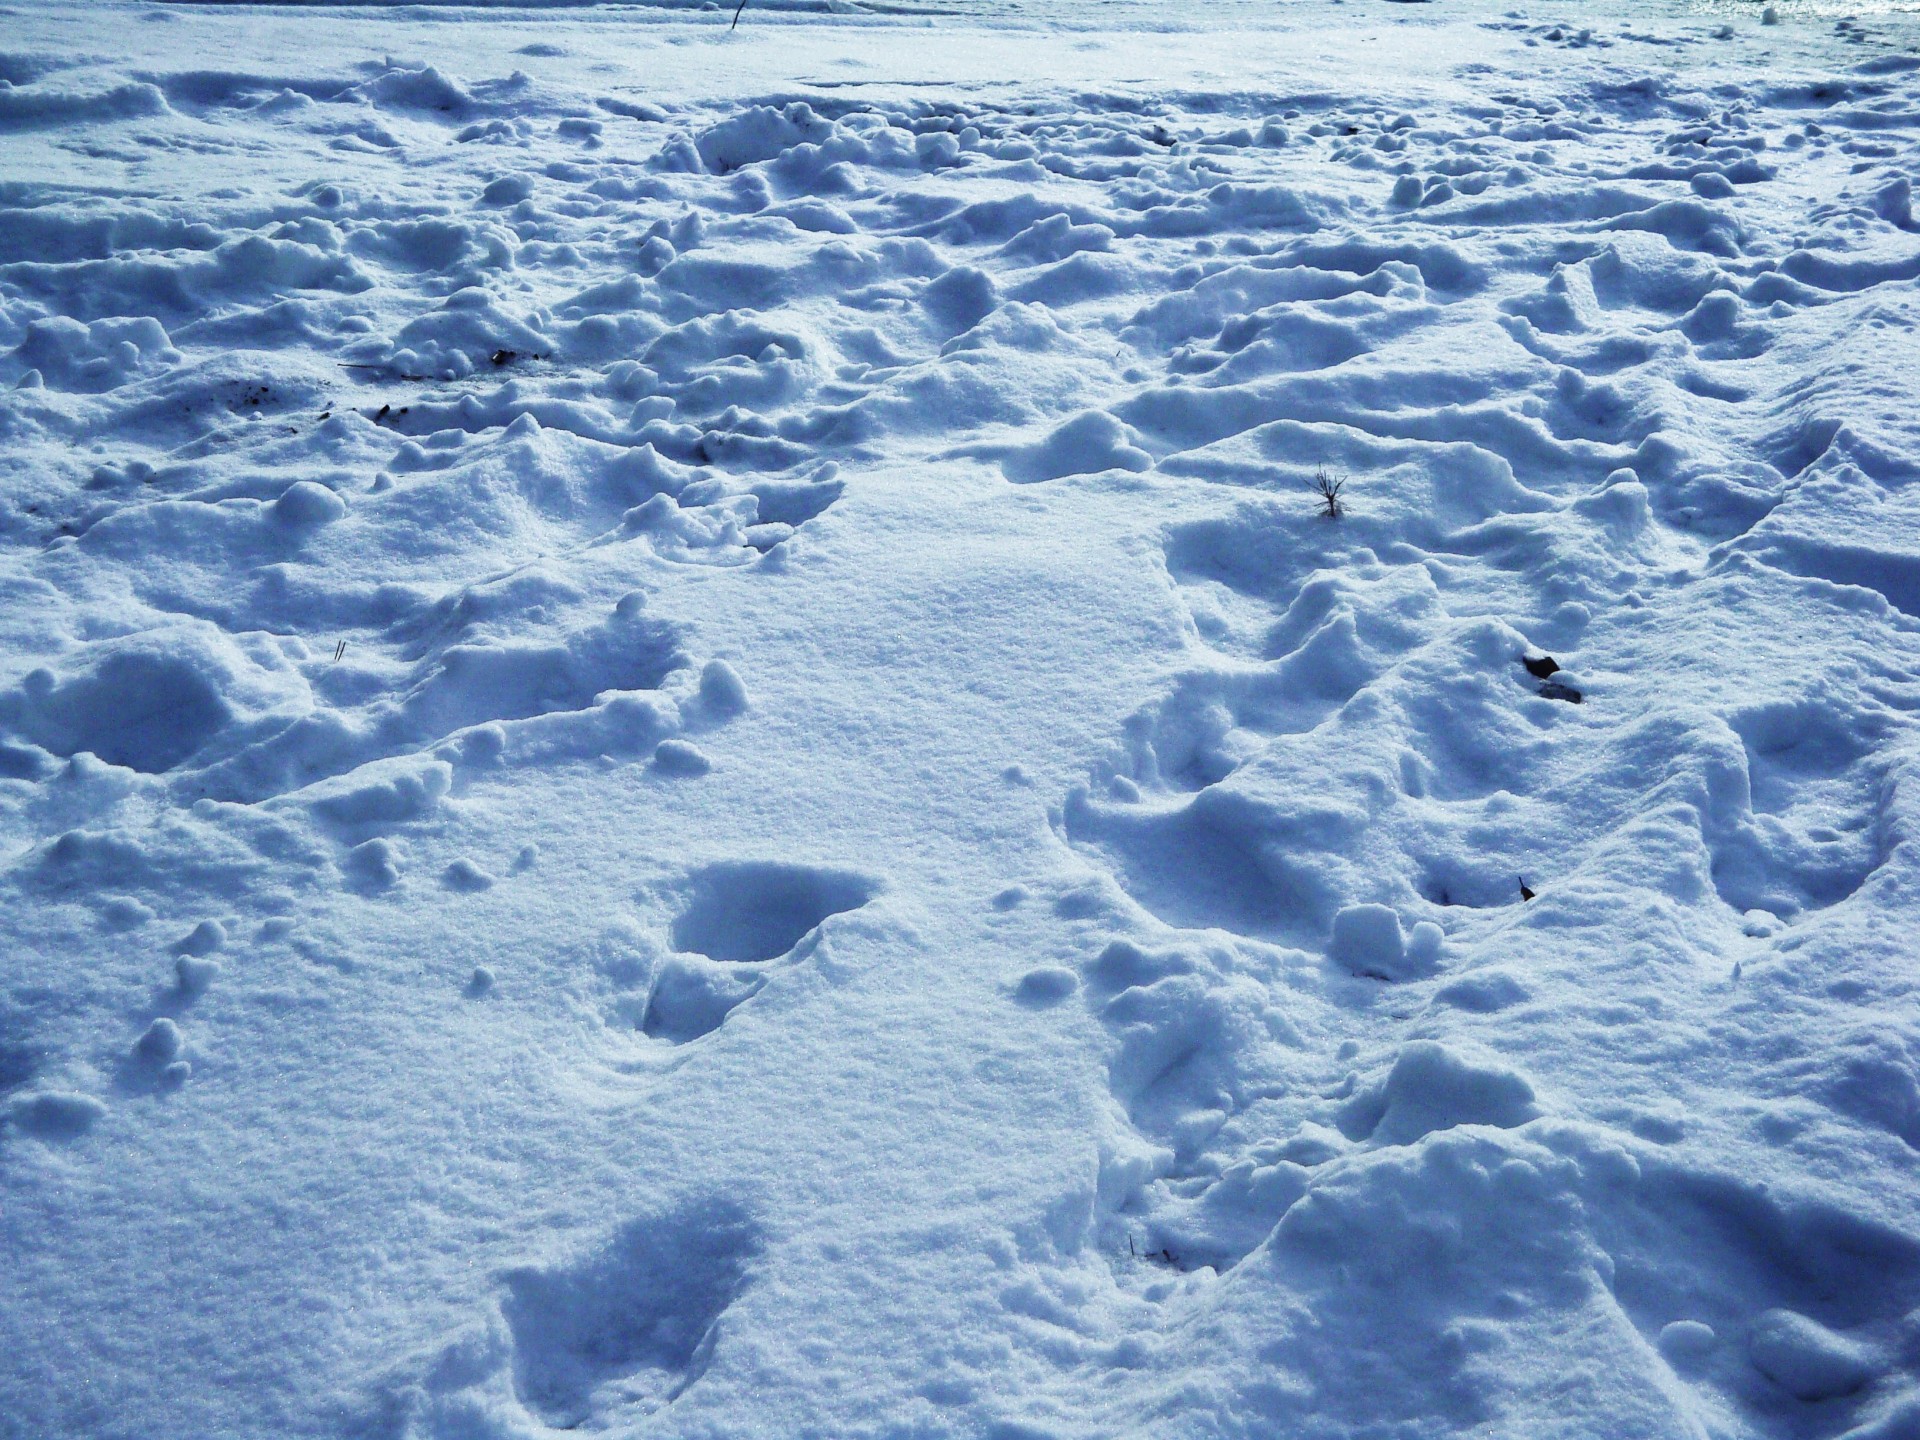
(736, 18)
(1330, 489)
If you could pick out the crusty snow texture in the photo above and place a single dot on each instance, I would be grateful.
(682, 751)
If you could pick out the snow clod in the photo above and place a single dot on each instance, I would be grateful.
(161, 1043)
(465, 876)
(304, 505)
(193, 974)
(1367, 939)
(55, 1114)
(680, 757)
(1806, 1359)
(205, 938)
(1048, 985)
(1687, 1345)
(721, 689)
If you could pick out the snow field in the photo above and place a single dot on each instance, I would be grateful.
(681, 751)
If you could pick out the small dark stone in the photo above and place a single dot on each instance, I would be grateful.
(1525, 893)
(1555, 690)
(504, 357)
(1540, 666)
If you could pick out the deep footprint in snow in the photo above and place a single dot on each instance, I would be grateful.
(151, 701)
(739, 918)
(745, 911)
(1795, 1311)
(626, 1329)
(1815, 828)
(138, 710)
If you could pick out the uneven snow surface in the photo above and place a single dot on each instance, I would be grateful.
(683, 751)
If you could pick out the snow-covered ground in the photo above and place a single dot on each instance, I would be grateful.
(682, 752)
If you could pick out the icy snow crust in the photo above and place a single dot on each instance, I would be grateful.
(681, 752)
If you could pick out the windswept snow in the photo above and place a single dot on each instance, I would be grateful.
(682, 750)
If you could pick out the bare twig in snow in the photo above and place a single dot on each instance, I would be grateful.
(1329, 488)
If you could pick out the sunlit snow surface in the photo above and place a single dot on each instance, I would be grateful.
(681, 752)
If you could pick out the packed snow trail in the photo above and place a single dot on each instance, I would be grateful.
(682, 751)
